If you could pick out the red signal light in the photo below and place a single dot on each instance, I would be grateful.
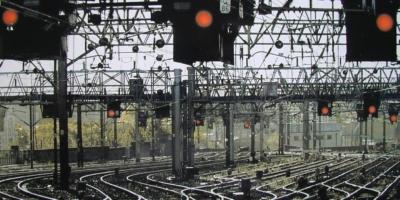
(393, 118)
(204, 19)
(385, 22)
(10, 17)
(372, 109)
(199, 122)
(325, 111)
(247, 124)
(111, 113)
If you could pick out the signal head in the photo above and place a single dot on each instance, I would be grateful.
(393, 118)
(204, 19)
(372, 109)
(385, 22)
(10, 17)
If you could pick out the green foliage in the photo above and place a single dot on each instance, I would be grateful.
(90, 131)
(22, 138)
(272, 140)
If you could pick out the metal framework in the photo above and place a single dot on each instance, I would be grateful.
(308, 66)
(223, 85)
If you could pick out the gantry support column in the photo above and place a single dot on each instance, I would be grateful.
(55, 151)
(229, 135)
(267, 131)
(185, 127)
(314, 126)
(366, 136)
(31, 134)
(79, 135)
(190, 116)
(153, 158)
(361, 136)
(320, 137)
(281, 129)
(157, 127)
(55, 142)
(217, 129)
(63, 116)
(232, 133)
(138, 136)
(102, 135)
(384, 134)
(262, 131)
(253, 139)
(306, 131)
(177, 132)
(288, 131)
(372, 130)
(115, 143)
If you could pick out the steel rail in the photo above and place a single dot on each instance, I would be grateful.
(3, 193)
(22, 187)
(337, 177)
(365, 186)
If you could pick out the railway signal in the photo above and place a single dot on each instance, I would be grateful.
(371, 103)
(247, 124)
(10, 17)
(393, 118)
(114, 109)
(142, 119)
(199, 122)
(205, 30)
(50, 109)
(393, 114)
(372, 109)
(361, 115)
(199, 114)
(32, 29)
(371, 34)
(324, 108)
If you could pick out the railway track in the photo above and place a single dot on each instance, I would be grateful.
(37, 185)
(355, 183)
(347, 179)
(123, 181)
(139, 184)
(281, 186)
(22, 186)
(231, 188)
(8, 187)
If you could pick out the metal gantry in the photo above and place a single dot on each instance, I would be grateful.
(217, 85)
(307, 66)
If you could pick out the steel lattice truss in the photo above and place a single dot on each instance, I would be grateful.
(312, 35)
(85, 85)
(296, 83)
(220, 85)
